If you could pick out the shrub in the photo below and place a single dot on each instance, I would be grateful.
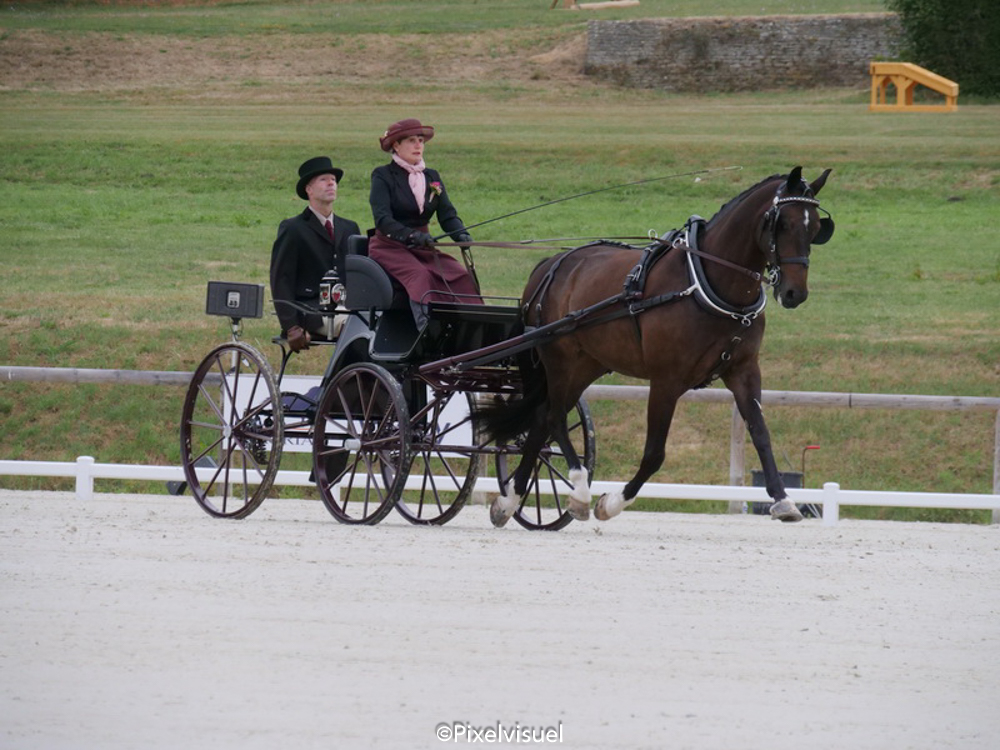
(958, 39)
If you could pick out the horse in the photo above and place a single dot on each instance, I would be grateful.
(680, 313)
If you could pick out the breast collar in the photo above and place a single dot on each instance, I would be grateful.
(703, 292)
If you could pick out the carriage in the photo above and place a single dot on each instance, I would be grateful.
(409, 418)
(392, 423)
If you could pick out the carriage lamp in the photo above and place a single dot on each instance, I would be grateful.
(331, 291)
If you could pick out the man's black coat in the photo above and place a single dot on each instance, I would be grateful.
(301, 256)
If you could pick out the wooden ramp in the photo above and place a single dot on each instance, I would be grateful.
(610, 4)
(905, 77)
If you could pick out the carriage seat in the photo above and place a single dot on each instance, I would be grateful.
(368, 285)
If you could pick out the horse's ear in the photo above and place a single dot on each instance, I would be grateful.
(819, 182)
(794, 180)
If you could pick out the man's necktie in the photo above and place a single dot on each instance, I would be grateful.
(329, 229)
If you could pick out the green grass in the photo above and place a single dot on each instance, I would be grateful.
(116, 207)
(440, 18)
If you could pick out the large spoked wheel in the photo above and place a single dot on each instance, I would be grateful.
(231, 431)
(545, 504)
(445, 466)
(361, 444)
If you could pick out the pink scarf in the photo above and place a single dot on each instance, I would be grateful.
(418, 183)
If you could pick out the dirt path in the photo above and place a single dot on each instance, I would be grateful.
(138, 621)
(106, 62)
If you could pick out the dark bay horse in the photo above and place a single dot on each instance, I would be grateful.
(680, 314)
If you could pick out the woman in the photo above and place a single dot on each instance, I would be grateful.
(405, 194)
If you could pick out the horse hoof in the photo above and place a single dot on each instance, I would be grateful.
(599, 513)
(578, 499)
(579, 511)
(609, 506)
(501, 509)
(785, 510)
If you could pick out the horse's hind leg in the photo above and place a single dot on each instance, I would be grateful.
(552, 422)
(578, 497)
(507, 502)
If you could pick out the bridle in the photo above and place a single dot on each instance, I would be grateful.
(770, 225)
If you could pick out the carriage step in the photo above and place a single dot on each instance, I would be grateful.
(179, 488)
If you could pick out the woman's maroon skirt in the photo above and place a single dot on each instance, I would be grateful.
(426, 273)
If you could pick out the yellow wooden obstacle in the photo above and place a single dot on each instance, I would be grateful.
(905, 77)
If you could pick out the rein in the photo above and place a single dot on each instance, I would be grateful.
(593, 192)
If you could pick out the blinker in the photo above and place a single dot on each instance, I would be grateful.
(825, 232)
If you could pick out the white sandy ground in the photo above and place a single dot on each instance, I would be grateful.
(140, 622)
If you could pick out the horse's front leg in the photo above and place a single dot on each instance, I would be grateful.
(745, 386)
(659, 414)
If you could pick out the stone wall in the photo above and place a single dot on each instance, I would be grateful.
(741, 54)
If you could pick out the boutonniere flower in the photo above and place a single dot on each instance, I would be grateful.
(436, 188)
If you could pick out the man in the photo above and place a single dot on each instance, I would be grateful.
(307, 246)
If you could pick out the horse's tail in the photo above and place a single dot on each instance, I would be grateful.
(502, 420)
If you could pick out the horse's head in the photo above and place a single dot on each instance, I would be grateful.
(789, 228)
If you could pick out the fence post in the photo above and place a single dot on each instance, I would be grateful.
(831, 504)
(996, 466)
(85, 478)
(737, 457)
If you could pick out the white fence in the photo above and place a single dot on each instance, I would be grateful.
(85, 470)
(831, 497)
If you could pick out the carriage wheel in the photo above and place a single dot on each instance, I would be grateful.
(445, 468)
(361, 444)
(231, 424)
(544, 506)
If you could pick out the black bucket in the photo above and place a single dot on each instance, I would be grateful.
(792, 479)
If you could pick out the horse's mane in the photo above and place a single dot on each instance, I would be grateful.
(726, 207)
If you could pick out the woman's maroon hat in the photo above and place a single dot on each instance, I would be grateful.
(404, 129)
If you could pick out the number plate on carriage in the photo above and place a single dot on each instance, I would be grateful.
(234, 300)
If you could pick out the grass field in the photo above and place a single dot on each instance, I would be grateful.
(147, 150)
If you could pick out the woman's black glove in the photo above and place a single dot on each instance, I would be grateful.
(420, 239)
(464, 240)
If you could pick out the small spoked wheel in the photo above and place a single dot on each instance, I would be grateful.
(361, 444)
(445, 465)
(231, 431)
(545, 502)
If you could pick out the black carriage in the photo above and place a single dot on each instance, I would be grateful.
(392, 423)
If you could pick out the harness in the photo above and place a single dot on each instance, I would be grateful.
(631, 301)
(704, 294)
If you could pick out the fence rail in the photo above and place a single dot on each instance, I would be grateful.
(733, 493)
(85, 470)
